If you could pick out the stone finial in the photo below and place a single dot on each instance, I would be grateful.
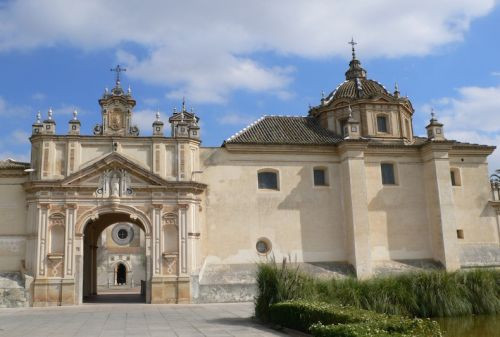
(49, 114)
(396, 90)
(158, 115)
(75, 115)
(37, 127)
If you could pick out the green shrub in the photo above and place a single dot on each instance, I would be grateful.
(415, 294)
(300, 315)
(390, 327)
(323, 319)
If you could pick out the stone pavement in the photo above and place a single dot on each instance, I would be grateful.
(133, 319)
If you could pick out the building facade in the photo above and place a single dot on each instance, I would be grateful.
(348, 188)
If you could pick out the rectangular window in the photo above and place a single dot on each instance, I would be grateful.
(382, 124)
(455, 177)
(460, 234)
(343, 124)
(388, 177)
(268, 180)
(320, 177)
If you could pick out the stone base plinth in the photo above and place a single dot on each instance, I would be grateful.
(170, 290)
(53, 292)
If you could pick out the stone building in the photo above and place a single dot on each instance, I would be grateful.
(349, 188)
(121, 257)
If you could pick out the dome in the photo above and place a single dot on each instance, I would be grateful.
(356, 84)
(357, 88)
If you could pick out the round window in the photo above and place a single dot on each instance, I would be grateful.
(122, 233)
(263, 246)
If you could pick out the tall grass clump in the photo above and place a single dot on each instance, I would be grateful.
(279, 283)
(415, 294)
(422, 294)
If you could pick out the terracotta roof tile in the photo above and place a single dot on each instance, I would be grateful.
(284, 130)
(13, 164)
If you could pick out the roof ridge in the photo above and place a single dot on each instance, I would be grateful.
(246, 128)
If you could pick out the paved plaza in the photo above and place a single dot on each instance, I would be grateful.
(133, 319)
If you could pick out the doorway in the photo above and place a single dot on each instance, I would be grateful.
(121, 274)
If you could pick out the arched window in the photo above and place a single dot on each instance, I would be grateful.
(382, 125)
(268, 180)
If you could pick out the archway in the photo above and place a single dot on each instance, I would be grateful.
(92, 289)
(121, 274)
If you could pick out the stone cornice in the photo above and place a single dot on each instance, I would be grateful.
(178, 186)
(110, 138)
(281, 148)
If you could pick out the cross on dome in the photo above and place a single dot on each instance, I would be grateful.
(118, 70)
(353, 43)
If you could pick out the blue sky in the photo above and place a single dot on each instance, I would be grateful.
(236, 61)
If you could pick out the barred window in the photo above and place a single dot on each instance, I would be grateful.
(388, 177)
(268, 180)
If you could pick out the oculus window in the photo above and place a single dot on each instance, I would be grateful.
(320, 177)
(382, 124)
(388, 176)
(268, 180)
(263, 246)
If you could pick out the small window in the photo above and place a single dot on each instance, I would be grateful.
(320, 178)
(268, 180)
(343, 127)
(263, 246)
(455, 177)
(460, 234)
(382, 124)
(388, 177)
(408, 130)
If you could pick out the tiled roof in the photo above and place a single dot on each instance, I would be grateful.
(283, 130)
(13, 164)
(354, 87)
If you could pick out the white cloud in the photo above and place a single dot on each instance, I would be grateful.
(38, 96)
(234, 118)
(19, 137)
(474, 116)
(495, 73)
(144, 120)
(9, 110)
(206, 49)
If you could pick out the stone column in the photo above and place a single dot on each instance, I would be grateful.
(355, 207)
(69, 259)
(193, 237)
(440, 204)
(157, 239)
(183, 249)
(43, 218)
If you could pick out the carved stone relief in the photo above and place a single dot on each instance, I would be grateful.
(114, 183)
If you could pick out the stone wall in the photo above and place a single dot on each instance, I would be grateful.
(12, 291)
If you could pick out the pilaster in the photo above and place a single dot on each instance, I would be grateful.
(355, 206)
(440, 204)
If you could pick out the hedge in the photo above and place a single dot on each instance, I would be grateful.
(324, 320)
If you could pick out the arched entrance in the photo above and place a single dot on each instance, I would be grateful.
(88, 276)
(121, 274)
